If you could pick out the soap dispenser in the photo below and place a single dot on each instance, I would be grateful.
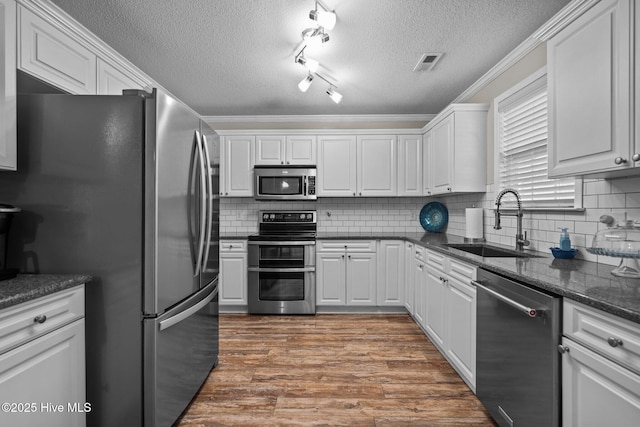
(565, 242)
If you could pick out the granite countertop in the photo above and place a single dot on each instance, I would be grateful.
(587, 282)
(26, 287)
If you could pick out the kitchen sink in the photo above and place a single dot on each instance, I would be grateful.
(489, 251)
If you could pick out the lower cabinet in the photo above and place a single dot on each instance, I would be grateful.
(450, 313)
(233, 274)
(409, 281)
(42, 362)
(600, 368)
(391, 273)
(346, 273)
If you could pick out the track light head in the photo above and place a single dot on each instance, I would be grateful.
(334, 95)
(305, 83)
(315, 36)
(324, 18)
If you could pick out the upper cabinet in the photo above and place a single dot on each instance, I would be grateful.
(590, 79)
(54, 57)
(427, 170)
(457, 145)
(285, 150)
(336, 166)
(410, 165)
(112, 80)
(8, 144)
(377, 165)
(236, 166)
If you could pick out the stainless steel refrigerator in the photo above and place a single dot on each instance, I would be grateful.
(125, 188)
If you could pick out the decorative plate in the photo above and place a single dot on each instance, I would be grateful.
(434, 216)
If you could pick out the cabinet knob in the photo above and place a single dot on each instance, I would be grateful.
(448, 188)
(360, 193)
(619, 160)
(282, 163)
(354, 194)
(614, 342)
(288, 162)
(40, 319)
(636, 157)
(562, 349)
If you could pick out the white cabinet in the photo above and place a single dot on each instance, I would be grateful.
(8, 118)
(377, 165)
(391, 272)
(42, 361)
(357, 166)
(419, 287)
(450, 320)
(336, 166)
(233, 273)
(54, 57)
(285, 150)
(457, 139)
(112, 80)
(595, 373)
(409, 282)
(591, 127)
(236, 165)
(427, 168)
(410, 158)
(346, 273)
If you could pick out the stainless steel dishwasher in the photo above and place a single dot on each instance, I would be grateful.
(517, 361)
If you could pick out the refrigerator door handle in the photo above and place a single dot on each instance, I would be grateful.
(209, 172)
(203, 204)
(173, 320)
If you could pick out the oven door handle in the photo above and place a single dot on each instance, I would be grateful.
(531, 312)
(282, 243)
(282, 270)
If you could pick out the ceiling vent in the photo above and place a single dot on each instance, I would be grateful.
(427, 61)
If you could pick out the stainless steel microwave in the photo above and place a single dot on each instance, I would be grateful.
(285, 182)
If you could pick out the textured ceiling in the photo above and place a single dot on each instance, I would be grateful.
(236, 57)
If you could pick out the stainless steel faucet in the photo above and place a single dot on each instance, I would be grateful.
(521, 240)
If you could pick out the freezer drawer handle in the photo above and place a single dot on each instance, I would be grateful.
(531, 312)
(167, 323)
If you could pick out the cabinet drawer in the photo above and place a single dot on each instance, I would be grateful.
(609, 335)
(436, 260)
(233, 246)
(346, 245)
(462, 271)
(420, 253)
(20, 324)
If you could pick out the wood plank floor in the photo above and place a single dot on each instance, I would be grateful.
(331, 370)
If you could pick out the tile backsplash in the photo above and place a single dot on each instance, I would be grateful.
(400, 214)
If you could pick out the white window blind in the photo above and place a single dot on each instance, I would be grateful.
(522, 141)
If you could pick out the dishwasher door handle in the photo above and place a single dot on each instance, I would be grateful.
(531, 312)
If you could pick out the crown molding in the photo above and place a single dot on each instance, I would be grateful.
(564, 17)
(366, 118)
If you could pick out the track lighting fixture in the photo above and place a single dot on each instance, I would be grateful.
(315, 36)
(324, 17)
(308, 63)
(305, 83)
(334, 95)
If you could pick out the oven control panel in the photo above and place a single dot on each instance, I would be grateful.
(288, 216)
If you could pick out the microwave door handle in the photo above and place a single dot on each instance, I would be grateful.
(203, 205)
(209, 172)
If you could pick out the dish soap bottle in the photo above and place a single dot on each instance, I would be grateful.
(565, 242)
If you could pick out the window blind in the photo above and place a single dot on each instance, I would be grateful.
(522, 135)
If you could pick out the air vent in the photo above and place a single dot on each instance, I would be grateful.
(427, 61)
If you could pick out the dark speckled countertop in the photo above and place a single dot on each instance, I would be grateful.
(26, 287)
(587, 282)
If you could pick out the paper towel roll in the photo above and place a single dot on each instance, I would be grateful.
(475, 224)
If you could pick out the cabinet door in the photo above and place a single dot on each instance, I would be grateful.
(377, 166)
(300, 150)
(427, 168)
(409, 282)
(269, 150)
(8, 141)
(330, 279)
(336, 166)
(237, 166)
(391, 273)
(361, 279)
(410, 182)
(589, 120)
(420, 294)
(441, 150)
(233, 278)
(112, 81)
(436, 291)
(461, 328)
(48, 372)
(591, 383)
(54, 57)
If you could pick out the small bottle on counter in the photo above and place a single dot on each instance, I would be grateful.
(565, 241)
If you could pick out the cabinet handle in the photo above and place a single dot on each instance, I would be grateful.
(40, 319)
(636, 157)
(562, 349)
(614, 342)
(619, 160)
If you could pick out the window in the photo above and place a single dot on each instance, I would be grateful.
(521, 146)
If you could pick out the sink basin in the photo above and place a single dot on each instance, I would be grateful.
(489, 251)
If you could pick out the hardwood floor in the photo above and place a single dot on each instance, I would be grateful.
(331, 370)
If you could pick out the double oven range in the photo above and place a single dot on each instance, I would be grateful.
(282, 263)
